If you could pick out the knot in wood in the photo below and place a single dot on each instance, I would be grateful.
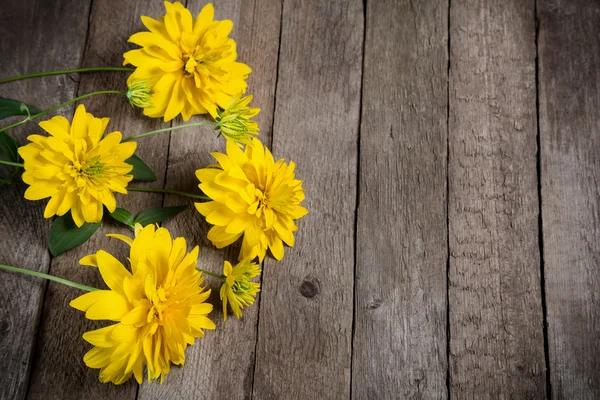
(310, 287)
(4, 326)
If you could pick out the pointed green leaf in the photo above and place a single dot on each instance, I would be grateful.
(156, 215)
(9, 147)
(140, 172)
(65, 235)
(10, 107)
(123, 216)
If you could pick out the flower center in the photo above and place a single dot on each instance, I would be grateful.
(189, 64)
(240, 287)
(160, 303)
(93, 168)
(200, 60)
(262, 199)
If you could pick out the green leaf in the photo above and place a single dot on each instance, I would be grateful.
(9, 146)
(156, 215)
(123, 216)
(65, 235)
(140, 172)
(10, 107)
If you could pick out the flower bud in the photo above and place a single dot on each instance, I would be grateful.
(234, 122)
(140, 94)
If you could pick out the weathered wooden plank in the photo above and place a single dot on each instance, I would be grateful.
(400, 315)
(569, 94)
(221, 365)
(59, 371)
(305, 324)
(24, 29)
(496, 328)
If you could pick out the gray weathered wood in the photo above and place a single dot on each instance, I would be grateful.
(24, 29)
(221, 365)
(304, 343)
(305, 324)
(400, 315)
(569, 98)
(496, 335)
(59, 371)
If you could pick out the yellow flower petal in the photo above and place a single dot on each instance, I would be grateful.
(276, 248)
(97, 357)
(137, 316)
(79, 124)
(123, 238)
(40, 191)
(101, 337)
(57, 126)
(112, 271)
(91, 260)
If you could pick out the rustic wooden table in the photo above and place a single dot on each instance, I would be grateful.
(451, 152)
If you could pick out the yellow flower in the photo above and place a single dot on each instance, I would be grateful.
(159, 308)
(253, 196)
(77, 168)
(189, 62)
(238, 290)
(234, 122)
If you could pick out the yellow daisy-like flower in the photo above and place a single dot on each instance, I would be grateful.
(238, 290)
(253, 196)
(76, 167)
(159, 307)
(234, 122)
(189, 62)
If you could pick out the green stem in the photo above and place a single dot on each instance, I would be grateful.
(66, 103)
(66, 71)
(173, 128)
(14, 164)
(49, 277)
(194, 196)
(212, 274)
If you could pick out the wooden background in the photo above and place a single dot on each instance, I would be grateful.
(451, 152)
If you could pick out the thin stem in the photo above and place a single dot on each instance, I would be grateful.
(66, 103)
(194, 196)
(49, 277)
(66, 71)
(14, 164)
(173, 128)
(223, 277)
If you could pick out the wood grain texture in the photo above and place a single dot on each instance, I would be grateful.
(24, 27)
(400, 314)
(221, 365)
(305, 324)
(59, 371)
(496, 335)
(569, 94)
